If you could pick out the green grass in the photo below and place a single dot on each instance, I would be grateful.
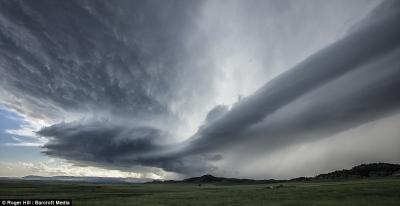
(384, 191)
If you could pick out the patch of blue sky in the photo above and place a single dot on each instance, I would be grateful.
(10, 148)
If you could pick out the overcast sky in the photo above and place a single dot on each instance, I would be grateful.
(172, 89)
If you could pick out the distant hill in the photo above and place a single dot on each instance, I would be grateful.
(360, 171)
(364, 170)
(211, 179)
(205, 178)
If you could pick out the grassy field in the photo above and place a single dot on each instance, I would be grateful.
(350, 192)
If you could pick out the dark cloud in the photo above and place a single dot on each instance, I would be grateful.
(216, 113)
(87, 56)
(124, 63)
(99, 141)
(337, 106)
(341, 58)
(124, 75)
(103, 143)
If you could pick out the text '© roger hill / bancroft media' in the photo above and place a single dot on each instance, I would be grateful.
(31, 202)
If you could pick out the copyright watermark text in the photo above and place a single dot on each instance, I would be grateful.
(41, 202)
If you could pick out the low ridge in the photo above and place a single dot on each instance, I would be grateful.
(360, 171)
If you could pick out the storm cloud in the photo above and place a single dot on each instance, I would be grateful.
(145, 84)
(103, 143)
(358, 55)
